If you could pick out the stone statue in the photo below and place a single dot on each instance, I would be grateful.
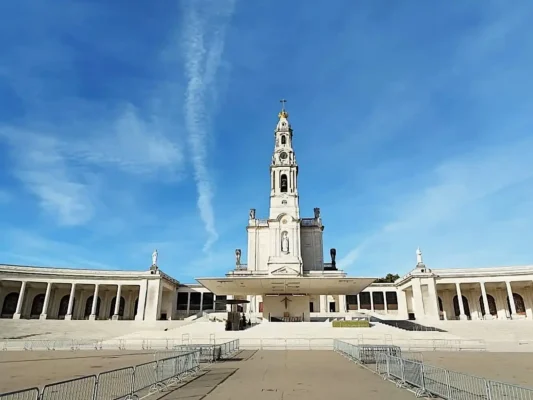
(317, 212)
(285, 242)
(252, 213)
(333, 254)
(238, 256)
(154, 257)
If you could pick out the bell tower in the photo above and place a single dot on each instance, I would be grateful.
(284, 170)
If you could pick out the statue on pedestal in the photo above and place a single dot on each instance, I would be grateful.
(285, 242)
(317, 212)
(333, 254)
(237, 257)
(252, 213)
(154, 258)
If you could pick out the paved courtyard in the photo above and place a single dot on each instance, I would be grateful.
(514, 368)
(288, 375)
(25, 369)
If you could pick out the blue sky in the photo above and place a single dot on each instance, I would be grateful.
(128, 126)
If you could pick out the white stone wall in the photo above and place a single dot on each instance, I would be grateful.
(312, 248)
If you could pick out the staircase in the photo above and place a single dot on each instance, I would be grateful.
(406, 325)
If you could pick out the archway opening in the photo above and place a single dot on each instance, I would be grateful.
(492, 305)
(10, 305)
(63, 305)
(121, 307)
(457, 309)
(519, 304)
(89, 305)
(37, 306)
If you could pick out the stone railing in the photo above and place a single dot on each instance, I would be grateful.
(309, 222)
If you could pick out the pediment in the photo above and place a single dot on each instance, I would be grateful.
(285, 271)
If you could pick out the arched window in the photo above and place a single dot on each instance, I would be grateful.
(120, 307)
(89, 305)
(283, 183)
(63, 305)
(492, 305)
(519, 304)
(457, 309)
(37, 305)
(283, 139)
(10, 305)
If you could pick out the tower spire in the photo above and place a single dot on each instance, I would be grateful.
(283, 113)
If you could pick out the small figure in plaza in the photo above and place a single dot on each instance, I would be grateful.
(285, 242)
(252, 213)
(154, 258)
(238, 256)
(317, 212)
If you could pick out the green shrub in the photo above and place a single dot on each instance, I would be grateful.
(351, 324)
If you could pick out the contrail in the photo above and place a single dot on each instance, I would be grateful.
(204, 45)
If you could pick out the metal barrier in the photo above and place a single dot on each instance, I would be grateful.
(245, 343)
(427, 380)
(208, 352)
(26, 394)
(124, 383)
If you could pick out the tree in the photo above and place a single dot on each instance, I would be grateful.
(390, 278)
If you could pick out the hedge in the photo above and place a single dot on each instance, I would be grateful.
(351, 324)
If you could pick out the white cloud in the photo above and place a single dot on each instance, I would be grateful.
(458, 208)
(203, 45)
(40, 166)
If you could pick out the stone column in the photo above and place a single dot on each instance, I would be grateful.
(385, 302)
(188, 303)
(371, 301)
(215, 299)
(141, 304)
(117, 303)
(70, 302)
(358, 303)
(433, 299)
(460, 301)
(418, 299)
(342, 303)
(202, 302)
(20, 301)
(46, 301)
(511, 298)
(323, 300)
(485, 301)
(92, 317)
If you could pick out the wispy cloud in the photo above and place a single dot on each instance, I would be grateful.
(40, 166)
(203, 36)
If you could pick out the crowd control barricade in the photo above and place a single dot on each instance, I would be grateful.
(430, 381)
(27, 394)
(119, 384)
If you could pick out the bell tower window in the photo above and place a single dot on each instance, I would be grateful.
(283, 139)
(283, 183)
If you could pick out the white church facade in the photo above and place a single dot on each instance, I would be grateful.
(284, 278)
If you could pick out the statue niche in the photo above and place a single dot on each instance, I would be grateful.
(285, 242)
(283, 183)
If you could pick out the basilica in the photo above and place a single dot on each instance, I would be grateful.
(285, 277)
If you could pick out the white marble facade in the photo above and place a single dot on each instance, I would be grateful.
(60, 293)
(285, 276)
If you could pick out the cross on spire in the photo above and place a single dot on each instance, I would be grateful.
(283, 113)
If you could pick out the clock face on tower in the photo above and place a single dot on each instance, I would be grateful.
(283, 155)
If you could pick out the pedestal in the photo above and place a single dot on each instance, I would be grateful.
(68, 317)
(463, 317)
(42, 316)
(92, 317)
(16, 316)
(488, 317)
(115, 317)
